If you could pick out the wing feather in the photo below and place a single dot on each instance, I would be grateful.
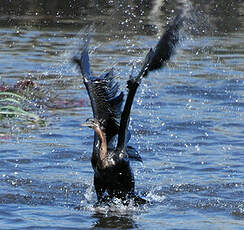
(154, 59)
(105, 100)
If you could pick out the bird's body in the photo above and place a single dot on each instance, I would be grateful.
(112, 171)
(113, 176)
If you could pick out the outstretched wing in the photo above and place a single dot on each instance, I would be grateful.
(155, 59)
(103, 93)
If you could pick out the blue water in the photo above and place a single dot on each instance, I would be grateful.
(187, 120)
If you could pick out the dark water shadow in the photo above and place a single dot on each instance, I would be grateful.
(112, 221)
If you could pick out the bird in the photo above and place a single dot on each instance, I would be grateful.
(111, 155)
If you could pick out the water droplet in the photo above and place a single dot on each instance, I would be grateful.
(197, 148)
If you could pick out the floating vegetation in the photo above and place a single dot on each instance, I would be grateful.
(21, 104)
(13, 105)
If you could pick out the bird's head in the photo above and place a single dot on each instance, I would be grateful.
(92, 123)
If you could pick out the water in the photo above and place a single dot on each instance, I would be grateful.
(187, 119)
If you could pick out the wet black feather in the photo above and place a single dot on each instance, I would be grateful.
(154, 59)
(104, 95)
(113, 173)
(106, 103)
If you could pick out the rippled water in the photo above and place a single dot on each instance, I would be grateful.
(187, 120)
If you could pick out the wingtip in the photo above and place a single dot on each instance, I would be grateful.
(82, 59)
(177, 22)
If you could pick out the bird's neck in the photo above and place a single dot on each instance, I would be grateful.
(103, 147)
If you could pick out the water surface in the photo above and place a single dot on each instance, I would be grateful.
(187, 120)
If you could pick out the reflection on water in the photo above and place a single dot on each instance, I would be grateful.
(187, 120)
(114, 221)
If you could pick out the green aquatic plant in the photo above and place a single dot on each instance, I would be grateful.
(12, 105)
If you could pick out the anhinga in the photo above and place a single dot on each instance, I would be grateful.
(112, 172)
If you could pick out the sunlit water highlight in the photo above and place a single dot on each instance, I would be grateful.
(187, 123)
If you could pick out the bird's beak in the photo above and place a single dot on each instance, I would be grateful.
(88, 123)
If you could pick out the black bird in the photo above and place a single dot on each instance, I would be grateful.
(113, 176)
